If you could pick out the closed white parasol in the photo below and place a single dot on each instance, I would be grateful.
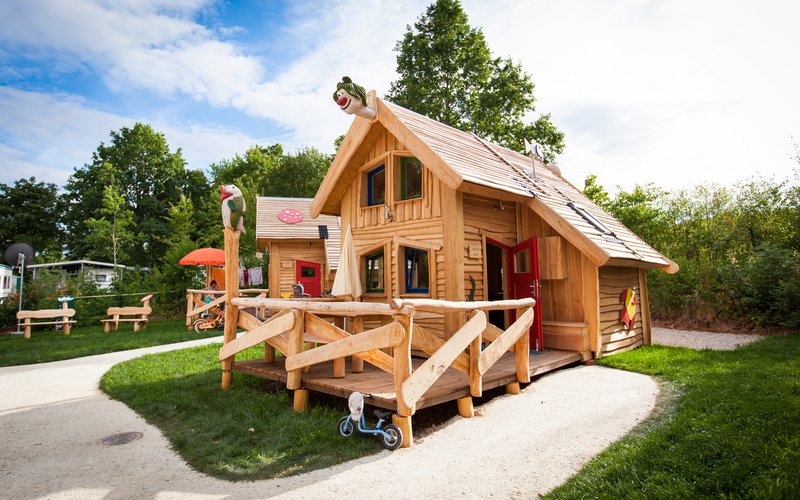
(347, 281)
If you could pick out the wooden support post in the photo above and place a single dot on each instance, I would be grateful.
(189, 309)
(475, 378)
(522, 354)
(404, 423)
(269, 353)
(338, 363)
(465, 408)
(358, 327)
(402, 363)
(65, 319)
(27, 325)
(513, 388)
(453, 249)
(300, 400)
(231, 290)
(294, 378)
(338, 368)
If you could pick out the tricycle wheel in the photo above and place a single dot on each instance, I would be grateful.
(394, 438)
(198, 325)
(345, 426)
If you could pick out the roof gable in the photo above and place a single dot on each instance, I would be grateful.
(269, 226)
(459, 157)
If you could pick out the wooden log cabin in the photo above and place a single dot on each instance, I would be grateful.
(301, 249)
(443, 214)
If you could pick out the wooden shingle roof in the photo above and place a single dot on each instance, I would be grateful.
(270, 227)
(459, 157)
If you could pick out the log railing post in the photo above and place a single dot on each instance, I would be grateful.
(189, 309)
(232, 290)
(522, 354)
(402, 363)
(294, 378)
(475, 378)
(402, 370)
(358, 327)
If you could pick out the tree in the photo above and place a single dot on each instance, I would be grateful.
(29, 212)
(595, 192)
(113, 229)
(149, 177)
(298, 175)
(447, 73)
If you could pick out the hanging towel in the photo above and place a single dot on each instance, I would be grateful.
(255, 276)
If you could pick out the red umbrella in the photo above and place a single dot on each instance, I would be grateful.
(204, 257)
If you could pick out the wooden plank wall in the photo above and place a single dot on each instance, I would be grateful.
(426, 208)
(290, 252)
(562, 299)
(614, 336)
(481, 217)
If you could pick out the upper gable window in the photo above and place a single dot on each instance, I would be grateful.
(376, 186)
(591, 219)
(410, 178)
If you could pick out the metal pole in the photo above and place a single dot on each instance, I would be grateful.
(21, 283)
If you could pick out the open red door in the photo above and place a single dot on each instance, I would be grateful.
(308, 275)
(525, 283)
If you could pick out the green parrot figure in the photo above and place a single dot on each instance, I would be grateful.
(233, 207)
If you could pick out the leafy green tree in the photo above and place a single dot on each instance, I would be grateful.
(298, 175)
(448, 73)
(111, 233)
(150, 177)
(595, 192)
(29, 212)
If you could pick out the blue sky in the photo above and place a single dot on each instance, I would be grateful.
(672, 92)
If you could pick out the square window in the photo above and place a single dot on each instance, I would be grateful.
(416, 270)
(376, 186)
(410, 178)
(375, 266)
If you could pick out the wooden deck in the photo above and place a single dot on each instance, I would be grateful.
(452, 385)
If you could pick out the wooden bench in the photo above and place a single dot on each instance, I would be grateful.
(139, 319)
(64, 314)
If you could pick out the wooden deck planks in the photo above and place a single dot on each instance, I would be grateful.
(452, 385)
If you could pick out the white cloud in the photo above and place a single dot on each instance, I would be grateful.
(674, 92)
(671, 92)
(48, 135)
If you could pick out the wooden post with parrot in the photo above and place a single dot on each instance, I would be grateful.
(233, 208)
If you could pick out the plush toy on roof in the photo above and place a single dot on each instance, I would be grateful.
(352, 99)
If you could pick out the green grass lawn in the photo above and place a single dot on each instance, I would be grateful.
(248, 432)
(49, 345)
(729, 427)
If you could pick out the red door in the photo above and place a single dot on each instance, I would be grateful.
(525, 283)
(308, 275)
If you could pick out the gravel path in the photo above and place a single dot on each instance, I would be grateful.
(701, 340)
(53, 419)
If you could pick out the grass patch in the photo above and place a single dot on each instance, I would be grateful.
(730, 427)
(249, 432)
(49, 345)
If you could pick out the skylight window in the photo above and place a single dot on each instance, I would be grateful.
(591, 219)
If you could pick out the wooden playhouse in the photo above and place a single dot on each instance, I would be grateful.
(301, 249)
(477, 271)
(440, 213)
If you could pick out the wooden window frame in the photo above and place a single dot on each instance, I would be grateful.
(408, 253)
(369, 178)
(403, 195)
(367, 275)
